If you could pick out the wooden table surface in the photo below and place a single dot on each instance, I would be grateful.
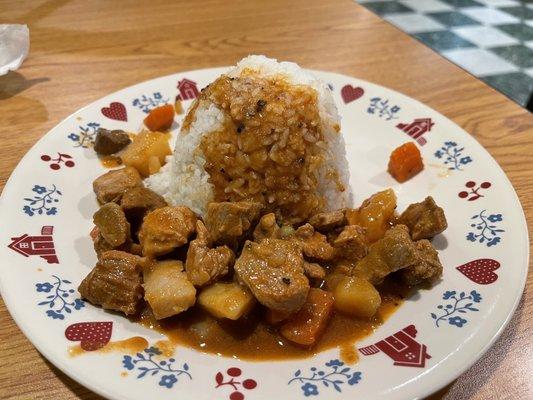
(82, 50)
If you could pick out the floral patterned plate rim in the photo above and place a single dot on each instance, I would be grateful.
(47, 205)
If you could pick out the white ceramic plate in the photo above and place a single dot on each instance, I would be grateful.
(46, 214)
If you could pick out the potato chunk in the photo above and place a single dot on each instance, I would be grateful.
(356, 297)
(226, 300)
(146, 145)
(167, 289)
(374, 214)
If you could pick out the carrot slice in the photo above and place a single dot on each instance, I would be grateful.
(307, 325)
(160, 118)
(405, 162)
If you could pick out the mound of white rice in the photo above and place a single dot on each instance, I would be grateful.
(183, 180)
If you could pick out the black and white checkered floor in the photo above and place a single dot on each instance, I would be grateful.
(492, 39)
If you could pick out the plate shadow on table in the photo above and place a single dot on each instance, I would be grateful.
(470, 383)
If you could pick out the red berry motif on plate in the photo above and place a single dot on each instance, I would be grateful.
(116, 111)
(61, 158)
(480, 271)
(91, 335)
(349, 93)
(402, 348)
(233, 380)
(473, 193)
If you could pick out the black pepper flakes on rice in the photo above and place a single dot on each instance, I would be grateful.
(260, 105)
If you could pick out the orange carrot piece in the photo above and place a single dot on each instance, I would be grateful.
(405, 162)
(160, 118)
(307, 325)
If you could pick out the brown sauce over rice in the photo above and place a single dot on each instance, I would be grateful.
(269, 150)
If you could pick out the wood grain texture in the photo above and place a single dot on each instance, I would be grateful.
(82, 50)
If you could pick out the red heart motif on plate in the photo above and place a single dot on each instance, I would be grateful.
(115, 111)
(480, 271)
(349, 93)
(91, 335)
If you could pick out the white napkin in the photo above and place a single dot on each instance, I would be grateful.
(14, 46)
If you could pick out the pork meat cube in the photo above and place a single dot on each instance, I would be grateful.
(424, 220)
(101, 246)
(391, 253)
(228, 222)
(166, 229)
(112, 185)
(327, 221)
(351, 244)
(428, 268)
(115, 282)
(314, 270)
(274, 271)
(139, 201)
(204, 265)
(112, 224)
(314, 245)
(166, 288)
(267, 227)
(110, 142)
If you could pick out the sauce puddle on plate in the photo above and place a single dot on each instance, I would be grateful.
(129, 346)
(253, 339)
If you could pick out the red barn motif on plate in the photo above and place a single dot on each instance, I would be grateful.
(417, 128)
(402, 348)
(188, 89)
(42, 245)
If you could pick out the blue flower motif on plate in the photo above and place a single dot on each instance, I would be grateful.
(485, 229)
(42, 200)
(457, 321)
(452, 156)
(59, 301)
(85, 136)
(382, 108)
(146, 364)
(334, 375)
(458, 304)
(148, 103)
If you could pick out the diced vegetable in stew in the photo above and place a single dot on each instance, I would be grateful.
(375, 214)
(147, 152)
(226, 300)
(356, 297)
(306, 326)
(160, 118)
(405, 162)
